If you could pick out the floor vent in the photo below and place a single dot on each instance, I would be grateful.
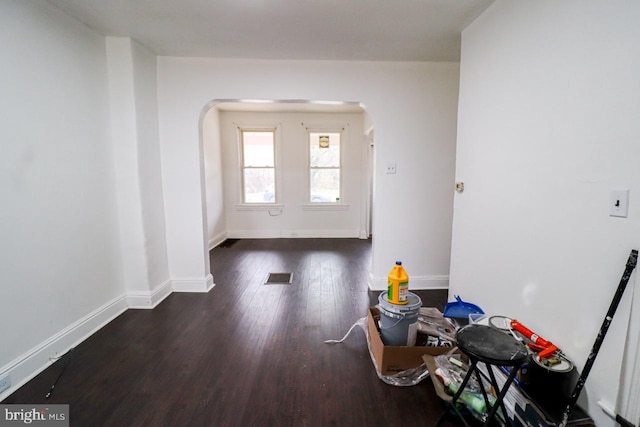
(279, 279)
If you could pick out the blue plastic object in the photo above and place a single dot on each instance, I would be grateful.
(461, 309)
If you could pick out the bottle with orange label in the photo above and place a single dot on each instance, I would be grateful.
(398, 285)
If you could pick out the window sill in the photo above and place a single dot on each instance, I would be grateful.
(325, 207)
(259, 206)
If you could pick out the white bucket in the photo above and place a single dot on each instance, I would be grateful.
(399, 323)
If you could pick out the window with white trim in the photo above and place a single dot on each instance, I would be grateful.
(325, 166)
(258, 165)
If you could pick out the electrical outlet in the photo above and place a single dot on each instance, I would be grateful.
(5, 383)
(390, 168)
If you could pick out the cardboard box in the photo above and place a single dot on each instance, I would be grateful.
(393, 359)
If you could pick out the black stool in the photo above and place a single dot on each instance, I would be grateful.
(494, 348)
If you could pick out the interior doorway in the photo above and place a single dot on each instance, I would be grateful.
(370, 145)
(220, 190)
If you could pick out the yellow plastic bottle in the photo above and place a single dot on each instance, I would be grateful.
(398, 288)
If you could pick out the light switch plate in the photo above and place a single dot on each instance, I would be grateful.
(619, 203)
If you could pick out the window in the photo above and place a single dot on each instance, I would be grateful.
(324, 166)
(258, 166)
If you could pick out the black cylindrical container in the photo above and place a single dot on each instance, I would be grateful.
(551, 385)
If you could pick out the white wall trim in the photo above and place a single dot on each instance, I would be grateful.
(259, 207)
(217, 239)
(193, 285)
(628, 404)
(27, 366)
(325, 207)
(148, 300)
(303, 234)
(420, 283)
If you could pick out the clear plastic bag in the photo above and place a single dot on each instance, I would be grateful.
(451, 372)
(431, 322)
(405, 378)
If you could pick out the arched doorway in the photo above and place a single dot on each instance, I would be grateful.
(220, 189)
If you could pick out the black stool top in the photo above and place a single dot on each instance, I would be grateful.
(491, 345)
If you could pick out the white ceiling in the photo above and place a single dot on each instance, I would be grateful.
(389, 30)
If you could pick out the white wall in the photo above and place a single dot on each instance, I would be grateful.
(134, 132)
(214, 185)
(62, 273)
(150, 173)
(413, 107)
(547, 127)
(293, 216)
(126, 154)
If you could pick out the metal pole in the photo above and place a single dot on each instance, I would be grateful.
(631, 264)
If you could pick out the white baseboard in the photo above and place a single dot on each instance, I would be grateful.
(420, 283)
(150, 299)
(216, 240)
(302, 234)
(193, 285)
(27, 366)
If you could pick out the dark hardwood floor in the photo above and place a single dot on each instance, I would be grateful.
(245, 354)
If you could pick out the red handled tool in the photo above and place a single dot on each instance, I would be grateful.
(545, 348)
